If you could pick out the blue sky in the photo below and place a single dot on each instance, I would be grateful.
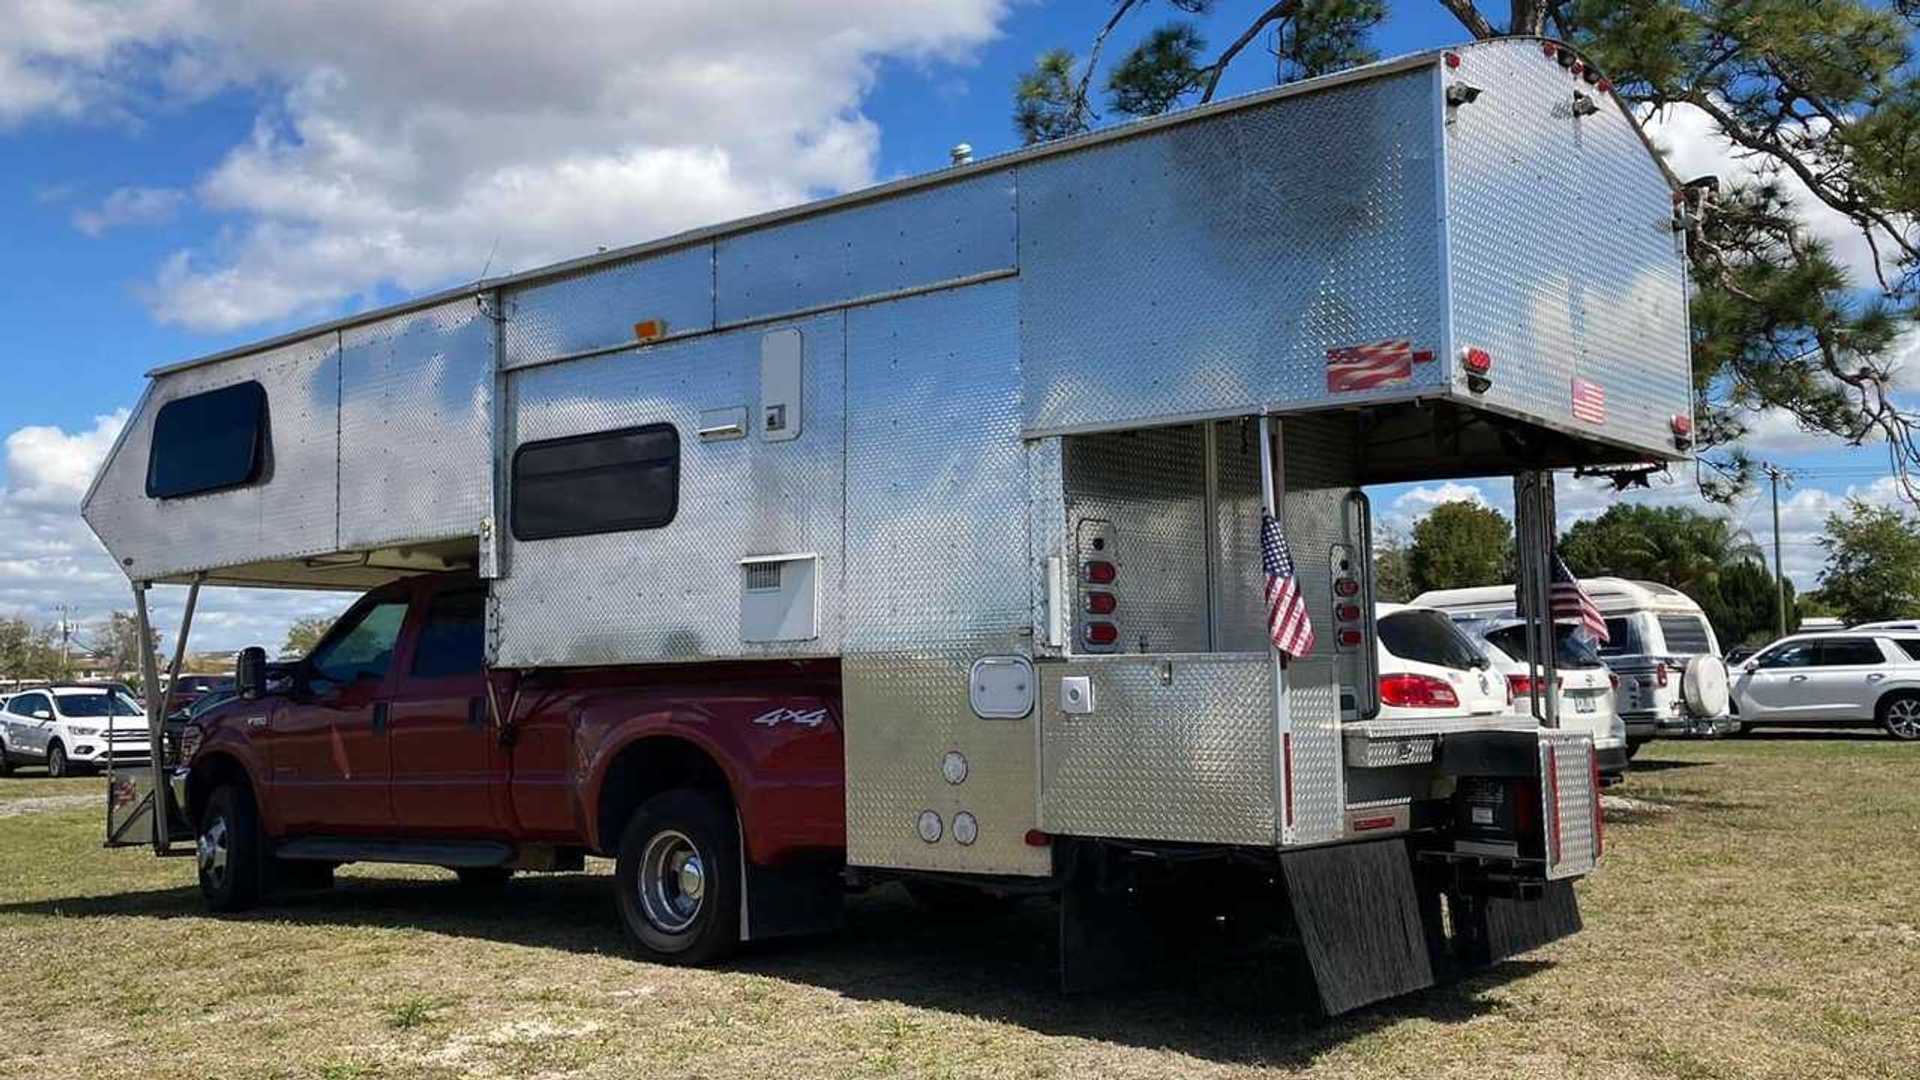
(178, 176)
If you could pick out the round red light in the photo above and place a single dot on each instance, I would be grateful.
(1476, 361)
(1576, 67)
(1101, 573)
(1682, 425)
(1453, 59)
(1346, 587)
(1347, 612)
(1548, 47)
(1101, 603)
(1351, 638)
(1603, 86)
(1102, 633)
(1036, 838)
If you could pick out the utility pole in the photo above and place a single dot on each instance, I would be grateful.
(66, 642)
(1779, 579)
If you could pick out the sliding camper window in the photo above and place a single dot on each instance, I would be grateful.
(615, 481)
(209, 442)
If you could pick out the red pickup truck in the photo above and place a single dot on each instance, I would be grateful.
(718, 788)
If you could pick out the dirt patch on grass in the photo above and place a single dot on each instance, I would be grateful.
(17, 807)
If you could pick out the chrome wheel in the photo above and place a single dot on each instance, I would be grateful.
(1903, 718)
(673, 882)
(215, 849)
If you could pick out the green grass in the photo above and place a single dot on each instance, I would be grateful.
(1758, 915)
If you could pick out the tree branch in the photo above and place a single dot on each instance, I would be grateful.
(1285, 9)
(1470, 17)
(1081, 106)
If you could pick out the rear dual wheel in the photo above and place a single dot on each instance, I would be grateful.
(677, 879)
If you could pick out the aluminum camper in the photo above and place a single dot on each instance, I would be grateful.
(915, 533)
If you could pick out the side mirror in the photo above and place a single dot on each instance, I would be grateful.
(1750, 666)
(43, 715)
(250, 672)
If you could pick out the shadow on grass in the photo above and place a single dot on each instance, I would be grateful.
(1815, 734)
(1226, 1000)
(1653, 765)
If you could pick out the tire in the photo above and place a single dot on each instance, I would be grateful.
(57, 766)
(677, 879)
(483, 878)
(227, 850)
(6, 760)
(1633, 748)
(1900, 715)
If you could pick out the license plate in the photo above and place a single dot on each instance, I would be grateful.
(1585, 704)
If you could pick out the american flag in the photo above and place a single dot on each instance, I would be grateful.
(1287, 621)
(1589, 402)
(1569, 601)
(1363, 367)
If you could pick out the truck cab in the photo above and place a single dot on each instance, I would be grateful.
(393, 742)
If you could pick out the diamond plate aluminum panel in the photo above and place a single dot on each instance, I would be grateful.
(1150, 486)
(416, 427)
(292, 514)
(1047, 526)
(1567, 756)
(1562, 257)
(598, 308)
(937, 546)
(1239, 580)
(1186, 756)
(1207, 270)
(1319, 466)
(673, 593)
(936, 234)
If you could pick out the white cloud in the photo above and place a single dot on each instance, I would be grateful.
(400, 144)
(130, 206)
(49, 559)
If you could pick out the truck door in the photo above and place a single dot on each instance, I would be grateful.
(443, 748)
(330, 756)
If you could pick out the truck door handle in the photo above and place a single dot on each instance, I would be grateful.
(1875, 677)
(1798, 678)
(382, 717)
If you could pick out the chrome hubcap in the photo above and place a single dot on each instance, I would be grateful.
(213, 848)
(1903, 717)
(673, 882)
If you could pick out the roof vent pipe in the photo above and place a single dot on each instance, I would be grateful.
(962, 153)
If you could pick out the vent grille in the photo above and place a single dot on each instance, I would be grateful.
(763, 577)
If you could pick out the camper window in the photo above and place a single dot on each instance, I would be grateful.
(1686, 634)
(615, 481)
(1623, 638)
(208, 442)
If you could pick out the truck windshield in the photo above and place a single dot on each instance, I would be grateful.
(1571, 648)
(1427, 637)
(81, 706)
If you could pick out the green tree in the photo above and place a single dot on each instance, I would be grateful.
(1873, 563)
(1671, 545)
(1826, 93)
(116, 641)
(1743, 606)
(1460, 544)
(303, 635)
(1392, 576)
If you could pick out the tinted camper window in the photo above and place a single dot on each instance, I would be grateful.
(208, 442)
(617, 481)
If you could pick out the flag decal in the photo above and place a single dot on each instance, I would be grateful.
(1287, 623)
(1589, 402)
(1364, 367)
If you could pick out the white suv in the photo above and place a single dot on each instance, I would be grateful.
(1585, 684)
(1430, 670)
(72, 727)
(1847, 677)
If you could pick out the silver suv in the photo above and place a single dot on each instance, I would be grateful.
(1848, 677)
(69, 728)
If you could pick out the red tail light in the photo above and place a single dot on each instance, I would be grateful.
(1417, 692)
(1102, 633)
(1613, 680)
(1101, 573)
(1660, 674)
(1519, 686)
(1101, 603)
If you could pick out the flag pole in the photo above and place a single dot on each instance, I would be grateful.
(1282, 716)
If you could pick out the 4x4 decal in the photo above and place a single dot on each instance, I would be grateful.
(811, 718)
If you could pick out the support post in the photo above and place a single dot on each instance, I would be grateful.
(1270, 488)
(1533, 533)
(156, 720)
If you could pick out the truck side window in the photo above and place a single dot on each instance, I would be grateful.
(453, 642)
(614, 481)
(363, 650)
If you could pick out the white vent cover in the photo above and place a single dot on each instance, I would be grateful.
(779, 598)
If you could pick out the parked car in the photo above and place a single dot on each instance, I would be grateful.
(1428, 668)
(1672, 680)
(69, 728)
(1740, 654)
(1585, 685)
(1907, 625)
(191, 688)
(1847, 677)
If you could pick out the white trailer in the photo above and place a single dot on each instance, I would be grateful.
(998, 439)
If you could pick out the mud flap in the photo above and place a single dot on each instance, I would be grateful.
(1488, 930)
(1359, 918)
(787, 901)
(1104, 937)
